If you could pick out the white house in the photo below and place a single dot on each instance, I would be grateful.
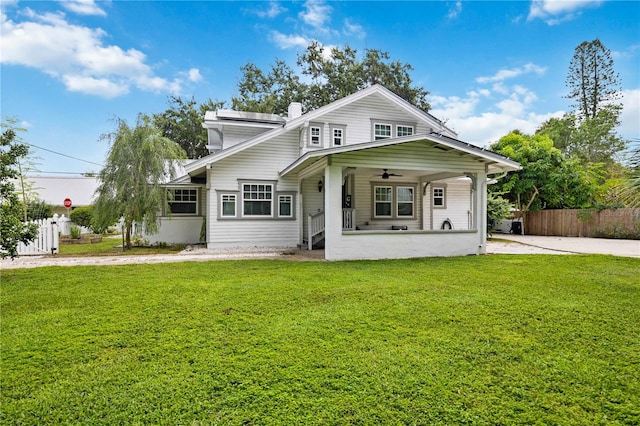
(370, 176)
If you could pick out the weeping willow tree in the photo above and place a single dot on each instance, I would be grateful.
(138, 162)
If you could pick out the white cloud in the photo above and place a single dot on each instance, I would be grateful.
(194, 75)
(274, 10)
(317, 13)
(505, 74)
(630, 117)
(83, 7)
(506, 113)
(629, 52)
(77, 56)
(455, 10)
(554, 12)
(352, 29)
(288, 41)
(95, 86)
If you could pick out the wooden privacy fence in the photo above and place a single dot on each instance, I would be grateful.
(579, 223)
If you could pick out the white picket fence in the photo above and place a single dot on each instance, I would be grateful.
(47, 240)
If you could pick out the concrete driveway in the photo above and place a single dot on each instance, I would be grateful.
(626, 248)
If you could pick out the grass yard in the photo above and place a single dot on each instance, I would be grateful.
(472, 340)
(108, 247)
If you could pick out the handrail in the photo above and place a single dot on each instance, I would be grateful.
(315, 226)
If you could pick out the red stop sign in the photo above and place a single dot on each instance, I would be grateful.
(67, 203)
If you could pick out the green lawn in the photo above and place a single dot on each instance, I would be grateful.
(109, 247)
(473, 340)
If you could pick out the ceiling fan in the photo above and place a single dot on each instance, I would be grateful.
(385, 174)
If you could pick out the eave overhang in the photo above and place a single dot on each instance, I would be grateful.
(495, 163)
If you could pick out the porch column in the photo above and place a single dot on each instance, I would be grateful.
(481, 211)
(332, 209)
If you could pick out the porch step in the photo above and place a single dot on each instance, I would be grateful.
(317, 242)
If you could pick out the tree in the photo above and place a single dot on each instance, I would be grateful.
(498, 208)
(82, 216)
(334, 73)
(595, 89)
(139, 160)
(592, 81)
(13, 229)
(631, 191)
(182, 123)
(547, 178)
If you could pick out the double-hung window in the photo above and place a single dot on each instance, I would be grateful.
(383, 201)
(285, 205)
(338, 135)
(438, 199)
(183, 200)
(257, 200)
(404, 201)
(315, 135)
(228, 205)
(394, 201)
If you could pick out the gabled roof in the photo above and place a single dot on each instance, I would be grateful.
(439, 127)
(495, 162)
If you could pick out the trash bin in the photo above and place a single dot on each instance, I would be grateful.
(516, 228)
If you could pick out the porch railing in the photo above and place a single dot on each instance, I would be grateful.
(315, 226)
(348, 219)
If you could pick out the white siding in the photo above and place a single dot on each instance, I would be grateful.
(236, 134)
(261, 162)
(458, 205)
(313, 200)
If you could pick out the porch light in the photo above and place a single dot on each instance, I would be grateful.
(320, 185)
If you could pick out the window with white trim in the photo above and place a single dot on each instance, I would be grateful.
(404, 203)
(285, 205)
(383, 199)
(438, 199)
(315, 135)
(183, 200)
(257, 199)
(394, 201)
(402, 130)
(229, 203)
(381, 131)
(338, 135)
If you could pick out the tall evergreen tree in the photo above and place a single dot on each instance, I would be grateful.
(595, 89)
(592, 81)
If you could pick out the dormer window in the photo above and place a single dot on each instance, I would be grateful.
(315, 135)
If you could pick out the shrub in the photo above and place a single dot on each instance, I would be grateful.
(39, 209)
(82, 216)
(75, 232)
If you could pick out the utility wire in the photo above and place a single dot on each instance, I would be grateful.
(64, 155)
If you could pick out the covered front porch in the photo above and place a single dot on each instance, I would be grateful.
(412, 198)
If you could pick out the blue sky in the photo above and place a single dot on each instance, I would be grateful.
(69, 67)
